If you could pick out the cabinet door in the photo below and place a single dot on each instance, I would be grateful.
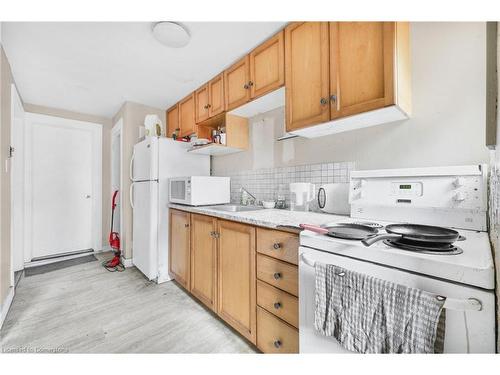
(267, 66)
(236, 87)
(187, 120)
(361, 66)
(216, 95)
(172, 120)
(179, 251)
(203, 259)
(201, 103)
(236, 277)
(306, 74)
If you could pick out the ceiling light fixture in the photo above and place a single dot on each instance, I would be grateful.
(171, 34)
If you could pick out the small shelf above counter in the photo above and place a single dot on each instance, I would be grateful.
(236, 131)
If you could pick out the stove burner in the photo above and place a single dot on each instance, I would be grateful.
(433, 250)
(369, 224)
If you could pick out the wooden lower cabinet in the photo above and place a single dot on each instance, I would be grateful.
(278, 244)
(180, 247)
(217, 262)
(204, 260)
(278, 302)
(236, 277)
(274, 335)
(280, 274)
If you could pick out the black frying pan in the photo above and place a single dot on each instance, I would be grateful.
(416, 233)
(345, 231)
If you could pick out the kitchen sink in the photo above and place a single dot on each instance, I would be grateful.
(235, 208)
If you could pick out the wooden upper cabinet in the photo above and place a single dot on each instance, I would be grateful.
(267, 66)
(172, 120)
(201, 102)
(216, 95)
(179, 249)
(236, 277)
(236, 84)
(361, 66)
(204, 259)
(187, 120)
(307, 74)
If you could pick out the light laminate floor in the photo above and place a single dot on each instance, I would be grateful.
(86, 309)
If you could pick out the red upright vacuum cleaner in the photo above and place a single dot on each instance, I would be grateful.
(114, 241)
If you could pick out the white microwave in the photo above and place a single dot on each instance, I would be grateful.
(199, 190)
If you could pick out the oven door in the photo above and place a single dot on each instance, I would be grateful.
(467, 331)
(179, 190)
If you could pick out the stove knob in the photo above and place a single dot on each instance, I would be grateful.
(459, 197)
(459, 181)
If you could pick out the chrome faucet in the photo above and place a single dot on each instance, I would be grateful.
(247, 197)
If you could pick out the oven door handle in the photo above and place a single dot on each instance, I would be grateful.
(466, 304)
(306, 260)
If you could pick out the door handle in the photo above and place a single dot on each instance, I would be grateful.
(87, 196)
(131, 194)
(132, 166)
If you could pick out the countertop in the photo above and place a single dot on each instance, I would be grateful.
(268, 218)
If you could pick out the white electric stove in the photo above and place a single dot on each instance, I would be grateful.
(453, 197)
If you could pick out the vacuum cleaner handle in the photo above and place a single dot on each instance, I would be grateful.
(113, 204)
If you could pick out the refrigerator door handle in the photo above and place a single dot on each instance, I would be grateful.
(131, 168)
(131, 194)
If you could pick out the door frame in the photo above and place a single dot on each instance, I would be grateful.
(117, 131)
(96, 132)
(17, 136)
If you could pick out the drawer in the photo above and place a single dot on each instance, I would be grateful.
(277, 273)
(274, 335)
(278, 302)
(278, 244)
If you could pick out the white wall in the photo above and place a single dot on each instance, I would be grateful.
(447, 126)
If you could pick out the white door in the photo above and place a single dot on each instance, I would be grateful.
(64, 185)
(145, 227)
(17, 181)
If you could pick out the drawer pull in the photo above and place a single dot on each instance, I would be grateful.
(277, 344)
(277, 246)
(277, 305)
(277, 276)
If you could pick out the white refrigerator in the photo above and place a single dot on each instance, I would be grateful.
(153, 162)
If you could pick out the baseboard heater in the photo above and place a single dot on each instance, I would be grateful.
(61, 255)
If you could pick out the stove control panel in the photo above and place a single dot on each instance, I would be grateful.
(454, 193)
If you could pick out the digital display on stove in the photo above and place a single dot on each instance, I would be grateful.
(405, 187)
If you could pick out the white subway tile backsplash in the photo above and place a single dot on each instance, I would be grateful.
(268, 183)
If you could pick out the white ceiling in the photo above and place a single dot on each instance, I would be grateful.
(94, 67)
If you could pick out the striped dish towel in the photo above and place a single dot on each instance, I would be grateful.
(370, 315)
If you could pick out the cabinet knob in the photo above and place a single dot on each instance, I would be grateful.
(245, 86)
(277, 344)
(277, 275)
(333, 98)
(250, 83)
(205, 106)
(209, 105)
(277, 305)
(323, 101)
(277, 246)
(186, 225)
